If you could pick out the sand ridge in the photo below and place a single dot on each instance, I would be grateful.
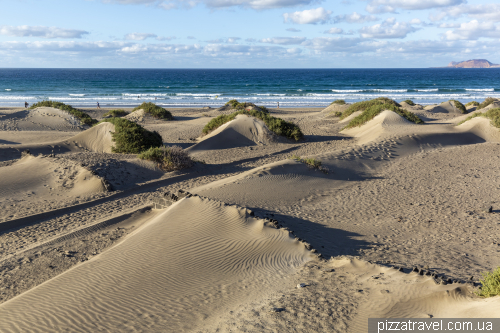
(242, 131)
(225, 242)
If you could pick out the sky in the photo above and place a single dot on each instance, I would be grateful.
(247, 33)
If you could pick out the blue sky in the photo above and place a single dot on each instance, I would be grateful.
(247, 33)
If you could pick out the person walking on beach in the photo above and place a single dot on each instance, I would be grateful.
(26, 105)
(98, 106)
(278, 105)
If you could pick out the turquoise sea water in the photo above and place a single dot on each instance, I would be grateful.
(214, 87)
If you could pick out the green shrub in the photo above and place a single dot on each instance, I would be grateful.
(360, 106)
(486, 102)
(82, 116)
(276, 125)
(264, 109)
(459, 106)
(311, 162)
(155, 111)
(168, 158)
(493, 115)
(372, 111)
(235, 104)
(490, 284)
(338, 102)
(241, 106)
(132, 138)
(115, 113)
(409, 102)
(337, 114)
(474, 103)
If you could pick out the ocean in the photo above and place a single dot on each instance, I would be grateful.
(214, 87)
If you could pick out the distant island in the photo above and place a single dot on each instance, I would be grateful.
(474, 63)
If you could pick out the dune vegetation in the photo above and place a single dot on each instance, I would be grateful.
(311, 162)
(473, 103)
(168, 158)
(338, 102)
(155, 111)
(131, 138)
(115, 113)
(459, 106)
(409, 102)
(276, 125)
(490, 284)
(486, 102)
(242, 105)
(82, 116)
(360, 106)
(372, 111)
(493, 115)
(372, 108)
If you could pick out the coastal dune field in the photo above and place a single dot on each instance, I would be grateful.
(268, 228)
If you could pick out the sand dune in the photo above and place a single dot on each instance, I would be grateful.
(242, 131)
(386, 122)
(97, 139)
(396, 194)
(41, 177)
(165, 276)
(40, 119)
(445, 107)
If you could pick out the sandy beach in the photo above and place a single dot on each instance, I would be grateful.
(395, 224)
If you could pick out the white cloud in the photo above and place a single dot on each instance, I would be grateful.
(473, 30)
(40, 31)
(387, 6)
(139, 36)
(229, 40)
(308, 16)
(449, 25)
(293, 30)
(387, 29)
(163, 38)
(284, 40)
(354, 18)
(483, 12)
(255, 4)
(334, 31)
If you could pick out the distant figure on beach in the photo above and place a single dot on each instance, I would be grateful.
(278, 105)
(155, 98)
(98, 106)
(26, 105)
(137, 97)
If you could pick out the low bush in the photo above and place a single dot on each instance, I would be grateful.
(168, 158)
(131, 138)
(490, 284)
(409, 102)
(236, 105)
(276, 125)
(360, 106)
(242, 106)
(473, 103)
(115, 113)
(486, 102)
(311, 162)
(493, 115)
(155, 111)
(338, 102)
(459, 106)
(82, 116)
(372, 111)
(337, 114)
